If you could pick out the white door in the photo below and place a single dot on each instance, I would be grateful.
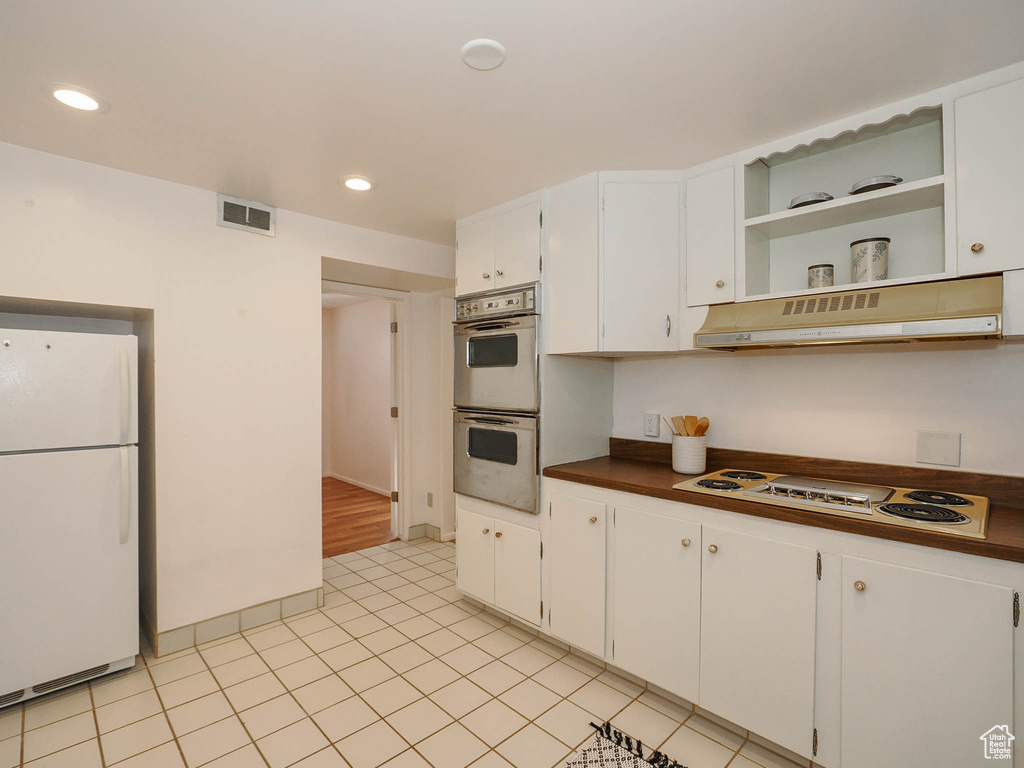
(640, 251)
(66, 390)
(474, 257)
(989, 169)
(517, 246)
(70, 596)
(577, 567)
(656, 602)
(711, 238)
(758, 602)
(927, 666)
(517, 570)
(474, 554)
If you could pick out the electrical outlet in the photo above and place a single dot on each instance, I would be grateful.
(652, 424)
(938, 448)
(430, 499)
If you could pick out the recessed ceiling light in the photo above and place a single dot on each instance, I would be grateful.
(76, 97)
(357, 183)
(483, 54)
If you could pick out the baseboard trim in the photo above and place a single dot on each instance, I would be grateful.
(359, 483)
(424, 531)
(214, 628)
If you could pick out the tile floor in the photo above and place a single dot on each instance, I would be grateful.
(395, 670)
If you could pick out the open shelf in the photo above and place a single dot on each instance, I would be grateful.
(784, 294)
(892, 201)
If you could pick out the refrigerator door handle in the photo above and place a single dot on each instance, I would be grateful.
(126, 493)
(126, 398)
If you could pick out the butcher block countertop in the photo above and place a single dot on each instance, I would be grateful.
(644, 468)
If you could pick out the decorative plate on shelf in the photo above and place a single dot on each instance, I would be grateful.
(810, 199)
(872, 183)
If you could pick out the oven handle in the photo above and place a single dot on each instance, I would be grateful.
(486, 420)
(491, 326)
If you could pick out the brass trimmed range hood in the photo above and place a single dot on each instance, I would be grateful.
(955, 309)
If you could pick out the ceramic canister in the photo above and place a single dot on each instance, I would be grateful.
(869, 259)
(821, 276)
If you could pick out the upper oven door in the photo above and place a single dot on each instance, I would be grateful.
(496, 364)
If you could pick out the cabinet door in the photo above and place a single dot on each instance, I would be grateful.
(927, 666)
(474, 554)
(989, 168)
(578, 572)
(517, 246)
(710, 238)
(474, 257)
(517, 570)
(640, 253)
(572, 318)
(656, 590)
(758, 601)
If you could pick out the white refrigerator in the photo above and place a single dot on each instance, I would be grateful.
(69, 586)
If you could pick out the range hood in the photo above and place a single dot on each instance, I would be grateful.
(954, 309)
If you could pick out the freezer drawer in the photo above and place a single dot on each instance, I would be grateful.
(68, 563)
(67, 390)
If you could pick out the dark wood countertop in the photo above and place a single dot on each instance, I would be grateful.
(650, 477)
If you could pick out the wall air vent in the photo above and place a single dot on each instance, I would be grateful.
(246, 215)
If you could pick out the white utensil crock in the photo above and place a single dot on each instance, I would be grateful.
(689, 454)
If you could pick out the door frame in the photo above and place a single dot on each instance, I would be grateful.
(401, 394)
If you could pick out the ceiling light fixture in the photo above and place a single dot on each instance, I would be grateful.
(76, 97)
(357, 183)
(483, 54)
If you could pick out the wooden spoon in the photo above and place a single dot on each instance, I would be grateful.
(691, 425)
(702, 426)
(669, 426)
(680, 426)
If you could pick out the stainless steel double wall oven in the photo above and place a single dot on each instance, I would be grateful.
(497, 397)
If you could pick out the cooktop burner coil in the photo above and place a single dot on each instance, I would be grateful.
(719, 485)
(924, 513)
(738, 475)
(939, 497)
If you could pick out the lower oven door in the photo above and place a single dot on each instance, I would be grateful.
(496, 458)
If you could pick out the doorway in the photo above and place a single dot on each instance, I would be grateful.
(361, 431)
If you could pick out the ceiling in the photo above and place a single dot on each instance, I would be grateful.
(275, 100)
(335, 300)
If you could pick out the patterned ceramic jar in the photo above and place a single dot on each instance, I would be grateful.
(821, 276)
(869, 259)
(689, 454)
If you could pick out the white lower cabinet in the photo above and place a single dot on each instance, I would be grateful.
(576, 562)
(757, 635)
(498, 562)
(656, 599)
(927, 666)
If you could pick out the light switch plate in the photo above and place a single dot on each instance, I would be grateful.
(938, 448)
(652, 425)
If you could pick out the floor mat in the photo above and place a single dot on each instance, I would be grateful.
(611, 748)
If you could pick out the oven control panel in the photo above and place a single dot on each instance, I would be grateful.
(516, 301)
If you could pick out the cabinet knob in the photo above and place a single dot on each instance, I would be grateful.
(978, 247)
(487, 530)
(686, 542)
(713, 548)
(668, 325)
(860, 586)
(593, 520)
(499, 273)
(720, 284)
(497, 535)
(487, 275)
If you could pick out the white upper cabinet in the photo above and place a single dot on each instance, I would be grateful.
(989, 168)
(611, 276)
(499, 248)
(711, 237)
(758, 620)
(927, 666)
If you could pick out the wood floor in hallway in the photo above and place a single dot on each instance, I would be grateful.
(353, 518)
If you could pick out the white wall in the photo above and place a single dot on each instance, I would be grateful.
(326, 366)
(855, 403)
(237, 360)
(359, 358)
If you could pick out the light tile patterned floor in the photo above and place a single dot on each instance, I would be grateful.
(395, 670)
